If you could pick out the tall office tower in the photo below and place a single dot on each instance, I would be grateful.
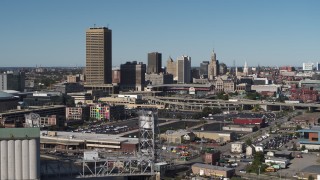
(204, 68)
(154, 63)
(222, 68)
(171, 68)
(213, 69)
(132, 76)
(99, 55)
(184, 69)
(245, 69)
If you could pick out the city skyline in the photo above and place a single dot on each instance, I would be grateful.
(269, 33)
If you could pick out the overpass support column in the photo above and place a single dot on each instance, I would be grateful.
(309, 108)
(280, 108)
(293, 108)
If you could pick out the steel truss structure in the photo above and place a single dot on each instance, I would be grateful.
(140, 164)
(117, 166)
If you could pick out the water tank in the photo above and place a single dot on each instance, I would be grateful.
(147, 120)
(90, 155)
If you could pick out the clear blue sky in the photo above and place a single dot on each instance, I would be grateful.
(52, 33)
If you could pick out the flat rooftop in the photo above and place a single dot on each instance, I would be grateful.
(208, 166)
(276, 159)
(312, 129)
(81, 137)
(19, 133)
(217, 132)
(32, 108)
(182, 85)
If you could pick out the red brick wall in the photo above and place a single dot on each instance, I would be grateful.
(313, 135)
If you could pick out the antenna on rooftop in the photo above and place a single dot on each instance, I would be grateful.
(94, 25)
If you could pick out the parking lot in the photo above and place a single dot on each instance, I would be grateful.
(101, 127)
(298, 164)
(274, 142)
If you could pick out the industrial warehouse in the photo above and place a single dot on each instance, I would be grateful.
(77, 142)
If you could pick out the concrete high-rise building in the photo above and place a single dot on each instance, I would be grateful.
(12, 81)
(159, 79)
(307, 66)
(184, 69)
(116, 75)
(132, 76)
(204, 68)
(154, 63)
(99, 55)
(213, 68)
(171, 68)
(245, 69)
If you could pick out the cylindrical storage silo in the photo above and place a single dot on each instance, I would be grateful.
(4, 159)
(18, 159)
(33, 160)
(38, 157)
(25, 159)
(0, 159)
(11, 166)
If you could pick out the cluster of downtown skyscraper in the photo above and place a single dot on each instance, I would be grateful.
(135, 75)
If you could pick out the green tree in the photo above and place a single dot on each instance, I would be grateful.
(223, 96)
(303, 147)
(258, 157)
(206, 111)
(248, 142)
(256, 108)
(237, 178)
(179, 116)
(68, 101)
(298, 127)
(253, 96)
(257, 164)
(294, 146)
(310, 177)
(216, 110)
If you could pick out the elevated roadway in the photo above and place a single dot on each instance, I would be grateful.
(192, 104)
(189, 104)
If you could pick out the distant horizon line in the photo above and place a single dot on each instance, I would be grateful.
(1, 67)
